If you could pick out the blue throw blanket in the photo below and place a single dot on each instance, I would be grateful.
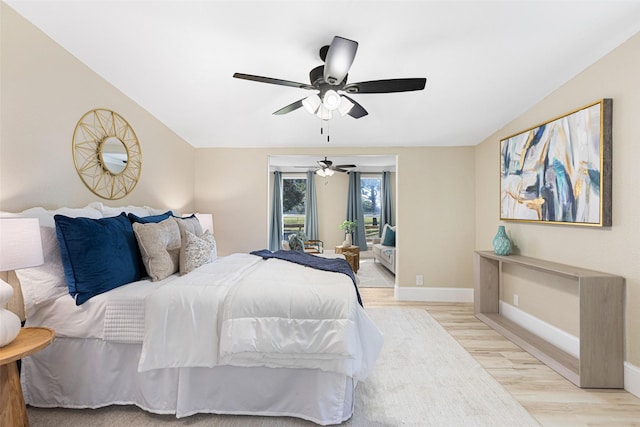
(337, 265)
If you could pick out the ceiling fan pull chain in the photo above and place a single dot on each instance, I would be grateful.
(328, 132)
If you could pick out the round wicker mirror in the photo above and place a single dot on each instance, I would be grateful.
(107, 154)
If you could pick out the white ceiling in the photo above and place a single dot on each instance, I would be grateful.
(486, 62)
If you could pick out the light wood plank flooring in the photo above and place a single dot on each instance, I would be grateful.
(549, 397)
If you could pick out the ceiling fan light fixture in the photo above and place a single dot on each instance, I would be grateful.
(312, 103)
(329, 172)
(321, 172)
(345, 106)
(331, 99)
(324, 113)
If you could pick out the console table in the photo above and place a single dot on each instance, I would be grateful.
(352, 255)
(601, 357)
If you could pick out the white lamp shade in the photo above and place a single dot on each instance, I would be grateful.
(312, 103)
(324, 113)
(331, 100)
(20, 243)
(206, 221)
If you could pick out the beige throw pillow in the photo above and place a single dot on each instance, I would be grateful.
(192, 225)
(159, 245)
(196, 251)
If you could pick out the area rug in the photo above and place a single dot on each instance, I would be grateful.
(423, 378)
(373, 275)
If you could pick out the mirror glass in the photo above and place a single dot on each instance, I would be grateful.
(113, 154)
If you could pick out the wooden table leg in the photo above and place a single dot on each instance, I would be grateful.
(13, 411)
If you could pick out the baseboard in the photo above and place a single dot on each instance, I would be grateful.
(632, 379)
(546, 331)
(427, 294)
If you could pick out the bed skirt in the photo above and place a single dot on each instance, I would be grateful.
(92, 373)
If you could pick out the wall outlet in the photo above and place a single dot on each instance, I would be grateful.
(419, 280)
(516, 301)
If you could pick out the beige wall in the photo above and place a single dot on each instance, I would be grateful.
(434, 210)
(612, 250)
(44, 92)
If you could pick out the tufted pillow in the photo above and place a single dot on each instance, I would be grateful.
(196, 251)
(97, 254)
(149, 218)
(159, 244)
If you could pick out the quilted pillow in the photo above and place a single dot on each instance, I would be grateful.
(196, 251)
(97, 254)
(159, 244)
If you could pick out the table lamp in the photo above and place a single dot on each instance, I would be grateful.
(206, 221)
(20, 247)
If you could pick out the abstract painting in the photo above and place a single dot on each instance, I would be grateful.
(559, 172)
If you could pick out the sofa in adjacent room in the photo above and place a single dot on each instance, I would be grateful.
(385, 251)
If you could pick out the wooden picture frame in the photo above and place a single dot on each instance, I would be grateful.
(559, 172)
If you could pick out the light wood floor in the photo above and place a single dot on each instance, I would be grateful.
(549, 397)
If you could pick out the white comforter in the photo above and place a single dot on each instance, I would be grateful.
(245, 311)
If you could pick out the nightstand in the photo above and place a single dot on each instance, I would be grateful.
(13, 411)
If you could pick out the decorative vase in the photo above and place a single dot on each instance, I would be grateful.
(9, 322)
(501, 242)
(347, 240)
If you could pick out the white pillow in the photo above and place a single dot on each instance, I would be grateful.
(109, 212)
(46, 216)
(46, 282)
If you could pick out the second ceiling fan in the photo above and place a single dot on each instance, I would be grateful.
(330, 80)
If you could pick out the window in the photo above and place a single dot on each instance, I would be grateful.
(370, 185)
(294, 190)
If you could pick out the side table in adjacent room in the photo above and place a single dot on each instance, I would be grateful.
(351, 254)
(13, 411)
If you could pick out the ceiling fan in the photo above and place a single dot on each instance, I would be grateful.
(330, 80)
(327, 168)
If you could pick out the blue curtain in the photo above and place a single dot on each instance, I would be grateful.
(276, 230)
(311, 208)
(354, 210)
(386, 211)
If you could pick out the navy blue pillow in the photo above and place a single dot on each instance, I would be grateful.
(150, 218)
(389, 237)
(97, 254)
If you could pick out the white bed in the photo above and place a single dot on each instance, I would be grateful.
(240, 335)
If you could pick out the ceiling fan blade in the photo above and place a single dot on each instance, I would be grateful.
(289, 108)
(345, 166)
(325, 163)
(340, 170)
(339, 59)
(386, 86)
(272, 81)
(357, 110)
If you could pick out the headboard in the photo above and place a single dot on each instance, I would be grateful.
(16, 303)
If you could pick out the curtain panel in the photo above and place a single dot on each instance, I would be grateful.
(276, 230)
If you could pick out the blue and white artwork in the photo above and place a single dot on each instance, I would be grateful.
(554, 172)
